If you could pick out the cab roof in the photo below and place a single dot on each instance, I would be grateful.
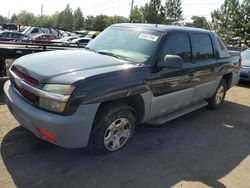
(160, 27)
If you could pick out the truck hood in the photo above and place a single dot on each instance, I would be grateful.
(68, 66)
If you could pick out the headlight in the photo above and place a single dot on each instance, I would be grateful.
(51, 105)
(55, 105)
(59, 89)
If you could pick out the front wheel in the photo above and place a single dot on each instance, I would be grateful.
(217, 100)
(113, 128)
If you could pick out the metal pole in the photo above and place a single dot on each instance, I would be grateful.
(41, 15)
(132, 7)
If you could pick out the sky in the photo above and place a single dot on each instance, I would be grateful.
(107, 7)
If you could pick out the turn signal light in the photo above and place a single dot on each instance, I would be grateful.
(47, 135)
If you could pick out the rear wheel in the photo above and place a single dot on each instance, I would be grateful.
(112, 129)
(217, 100)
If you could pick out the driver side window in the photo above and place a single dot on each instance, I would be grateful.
(178, 44)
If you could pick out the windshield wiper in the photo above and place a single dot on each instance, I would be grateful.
(90, 49)
(113, 55)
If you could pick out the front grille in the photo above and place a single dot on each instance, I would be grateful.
(24, 76)
(27, 95)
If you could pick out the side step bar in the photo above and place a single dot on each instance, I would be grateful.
(177, 114)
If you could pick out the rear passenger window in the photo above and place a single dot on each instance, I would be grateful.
(202, 46)
(178, 44)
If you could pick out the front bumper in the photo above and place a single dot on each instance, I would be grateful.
(70, 131)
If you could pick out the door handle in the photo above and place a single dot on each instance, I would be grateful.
(213, 68)
(191, 73)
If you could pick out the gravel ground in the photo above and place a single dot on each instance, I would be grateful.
(202, 149)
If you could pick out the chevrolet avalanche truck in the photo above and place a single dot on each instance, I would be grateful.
(130, 74)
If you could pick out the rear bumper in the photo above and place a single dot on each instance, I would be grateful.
(70, 131)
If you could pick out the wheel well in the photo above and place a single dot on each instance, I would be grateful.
(136, 102)
(228, 79)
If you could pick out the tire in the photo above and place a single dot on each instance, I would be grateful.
(113, 127)
(218, 99)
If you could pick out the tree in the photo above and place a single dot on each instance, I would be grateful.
(244, 15)
(66, 19)
(13, 18)
(100, 22)
(153, 12)
(79, 19)
(26, 18)
(50, 21)
(136, 15)
(2, 20)
(225, 20)
(199, 22)
(116, 19)
(173, 12)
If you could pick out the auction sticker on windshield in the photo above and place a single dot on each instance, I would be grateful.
(148, 37)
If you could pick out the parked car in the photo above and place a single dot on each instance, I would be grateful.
(12, 36)
(43, 38)
(82, 41)
(245, 68)
(65, 40)
(130, 74)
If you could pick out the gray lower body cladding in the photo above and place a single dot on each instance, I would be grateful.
(70, 131)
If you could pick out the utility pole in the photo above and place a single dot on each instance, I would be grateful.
(132, 7)
(41, 15)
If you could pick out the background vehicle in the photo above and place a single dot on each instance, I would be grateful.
(65, 40)
(82, 41)
(245, 67)
(129, 75)
(11, 35)
(43, 38)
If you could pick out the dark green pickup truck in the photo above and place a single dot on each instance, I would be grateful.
(130, 74)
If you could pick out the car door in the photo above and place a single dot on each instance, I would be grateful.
(6, 36)
(172, 88)
(204, 68)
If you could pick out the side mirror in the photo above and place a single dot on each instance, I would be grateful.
(172, 61)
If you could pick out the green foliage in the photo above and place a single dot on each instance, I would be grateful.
(100, 22)
(174, 12)
(198, 22)
(65, 19)
(225, 20)
(153, 12)
(2, 19)
(78, 19)
(27, 18)
(232, 19)
(244, 24)
(136, 15)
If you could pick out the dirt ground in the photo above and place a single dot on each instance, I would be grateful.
(202, 149)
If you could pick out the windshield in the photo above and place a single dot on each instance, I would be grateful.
(126, 43)
(246, 57)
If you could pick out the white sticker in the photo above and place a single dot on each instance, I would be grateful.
(148, 37)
